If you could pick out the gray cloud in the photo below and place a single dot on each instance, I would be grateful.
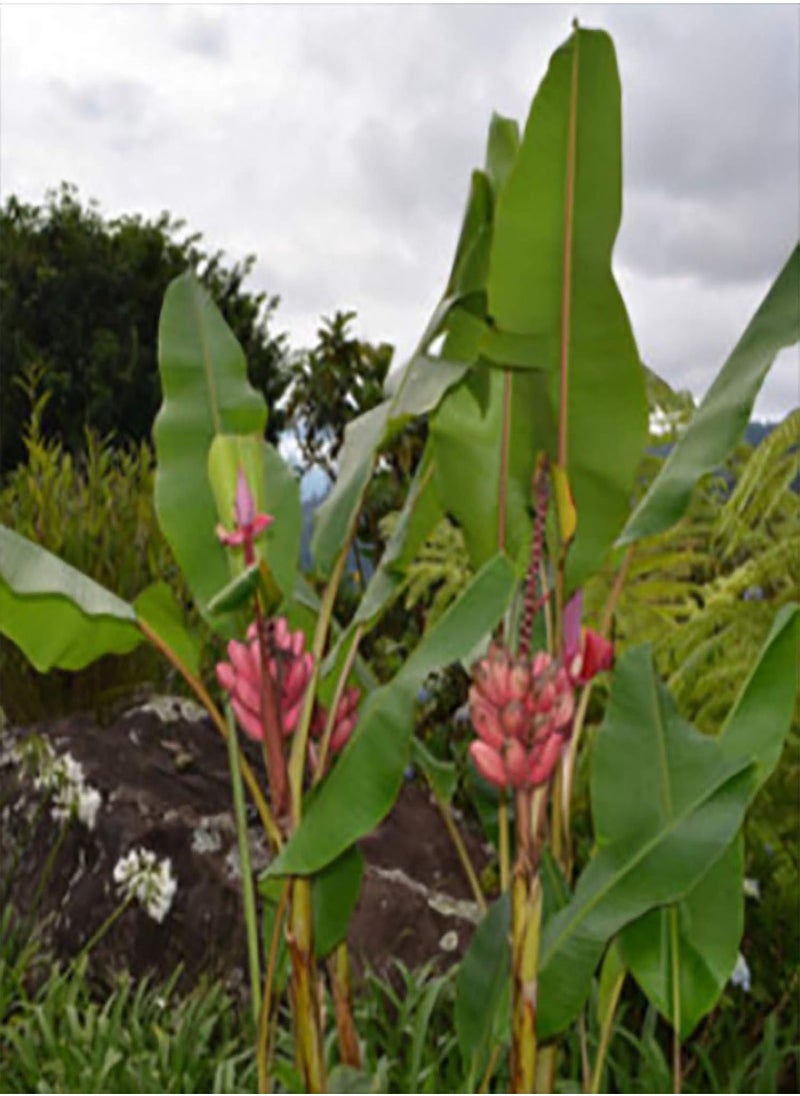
(728, 241)
(203, 34)
(121, 102)
(336, 143)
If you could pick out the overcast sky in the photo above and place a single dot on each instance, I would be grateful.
(336, 142)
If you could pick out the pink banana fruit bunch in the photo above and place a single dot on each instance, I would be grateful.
(522, 712)
(522, 708)
(290, 666)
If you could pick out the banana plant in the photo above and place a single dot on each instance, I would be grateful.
(537, 424)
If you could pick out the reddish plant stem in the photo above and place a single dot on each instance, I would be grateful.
(274, 758)
(502, 486)
(339, 973)
(531, 604)
(271, 722)
(566, 288)
(505, 441)
(197, 687)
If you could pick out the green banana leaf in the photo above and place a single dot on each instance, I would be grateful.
(156, 606)
(334, 893)
(57, 616)
(366, 779)
(205, 394)
(666, 803)
(420, 513)
(553, 305)
(424, 382)
(483, 1015)
(700, 935)
(759, 720)
(723, 415)
(482, 1012)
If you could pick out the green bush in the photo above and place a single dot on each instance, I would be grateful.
(80, 295)
(96, 512)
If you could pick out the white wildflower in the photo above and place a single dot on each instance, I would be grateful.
(63, 777)
(205, 839)
(449, 942)
(78, 799)
(741, 974)
(141, 875)
(752, 888)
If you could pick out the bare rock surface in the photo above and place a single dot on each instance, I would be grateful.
(162, 774)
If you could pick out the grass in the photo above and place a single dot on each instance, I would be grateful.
(61, 1031)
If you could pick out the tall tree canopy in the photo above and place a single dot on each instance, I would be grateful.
(80, 298)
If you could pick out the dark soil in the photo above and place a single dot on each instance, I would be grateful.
(163, 777)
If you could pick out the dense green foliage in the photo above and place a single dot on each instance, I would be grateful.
(80, 297)
(94, 510)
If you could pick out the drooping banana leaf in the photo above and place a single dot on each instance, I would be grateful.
(57, 616)
(694, 943)
(666, 803)
(723, 415)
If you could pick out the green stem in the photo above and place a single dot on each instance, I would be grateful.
(494, 1058)
(297, 759)
(96, 937)
(461, 850)
(571, 759)
(505, 442)
(21, 847)
(47, 871)
(606, 1029)
(248, 891)
(567, 775)
(672, 915)
(526, 916)
(546, 1065)
(547, 608)
(309, 1049)
(584, 1042)
(341, 685)
(502, 827)
(263, 1043)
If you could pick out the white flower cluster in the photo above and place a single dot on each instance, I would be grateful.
(63, 777)
(141, 875)
(741, 974)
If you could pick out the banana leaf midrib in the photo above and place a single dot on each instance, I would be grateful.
(727, 773)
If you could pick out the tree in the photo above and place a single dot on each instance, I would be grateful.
(340, 378)
(331, 384)
(80, 297)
